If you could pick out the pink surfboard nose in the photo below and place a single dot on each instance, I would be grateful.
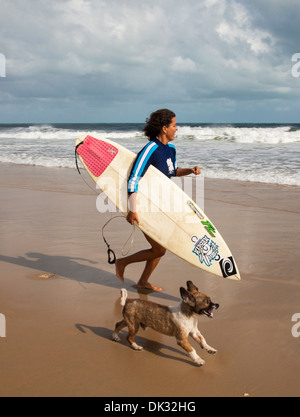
(96, 154)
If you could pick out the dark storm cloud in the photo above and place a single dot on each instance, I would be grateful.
(137, 55)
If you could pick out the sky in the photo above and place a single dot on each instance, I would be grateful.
(104, 61)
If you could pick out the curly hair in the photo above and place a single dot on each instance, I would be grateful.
(156, 121)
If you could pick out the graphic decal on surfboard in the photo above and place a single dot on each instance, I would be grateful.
(227, 267)
(206, 249)
(195, 210)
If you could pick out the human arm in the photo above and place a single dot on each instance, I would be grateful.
(180, 172)
(140, 166)
(132, 215)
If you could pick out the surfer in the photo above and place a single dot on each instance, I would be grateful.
(160, 129)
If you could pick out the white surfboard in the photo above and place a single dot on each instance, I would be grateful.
(166, 213)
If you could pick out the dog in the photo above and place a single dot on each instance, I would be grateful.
(179, 321)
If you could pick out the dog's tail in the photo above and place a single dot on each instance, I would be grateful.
(124, 296)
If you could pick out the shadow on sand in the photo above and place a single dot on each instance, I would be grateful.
(77, 269)
(148, 345)
(86, 271)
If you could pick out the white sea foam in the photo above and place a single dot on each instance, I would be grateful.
(268, 177)
(271, 135)
(258, 153)
(39, 133)
(48, 132)
(41, 161)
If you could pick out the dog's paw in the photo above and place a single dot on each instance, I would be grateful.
(199, 361)
(115, 337)
(211, 350)
(136, 347)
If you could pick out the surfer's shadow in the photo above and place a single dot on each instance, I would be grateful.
(77, 269)
(82, 270)
(148, 345)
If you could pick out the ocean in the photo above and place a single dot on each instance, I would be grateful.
(268, 153)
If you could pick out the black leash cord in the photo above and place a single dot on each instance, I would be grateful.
(110, 253)
(76, 160)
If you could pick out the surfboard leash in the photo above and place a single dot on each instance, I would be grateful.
(110, 253)
(78, 169)
(76, 157)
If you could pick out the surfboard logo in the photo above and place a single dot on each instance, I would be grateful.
(206, 249)
(195, 209)
(227, 266)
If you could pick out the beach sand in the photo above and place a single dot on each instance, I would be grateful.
(61, 298)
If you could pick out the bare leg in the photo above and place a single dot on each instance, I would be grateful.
(183, 342)
(132, 331)
(119, 326)
(152, 256)
(202, 342)
(149, 268)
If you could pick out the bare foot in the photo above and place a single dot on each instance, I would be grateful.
(120, 268)
(148, 286)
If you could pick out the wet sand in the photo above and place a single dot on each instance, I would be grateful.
(60, 297)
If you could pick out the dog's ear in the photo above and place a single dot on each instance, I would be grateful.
(191, 287)
(187, 297)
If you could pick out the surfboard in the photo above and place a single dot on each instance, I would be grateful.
(166, 213)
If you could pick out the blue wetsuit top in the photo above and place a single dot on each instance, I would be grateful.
(163, 157)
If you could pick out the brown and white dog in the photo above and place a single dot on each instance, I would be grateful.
(179, 321)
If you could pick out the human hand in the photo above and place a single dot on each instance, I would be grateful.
(132, 217)
(196, 170)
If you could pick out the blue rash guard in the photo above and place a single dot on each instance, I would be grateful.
(163, 157)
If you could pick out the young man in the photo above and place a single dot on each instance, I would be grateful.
(160, 152)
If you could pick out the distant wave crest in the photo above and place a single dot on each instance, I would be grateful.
(256, 153)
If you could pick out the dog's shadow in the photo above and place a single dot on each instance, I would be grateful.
(148, 345)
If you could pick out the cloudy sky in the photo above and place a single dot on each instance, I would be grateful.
(118, 60)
